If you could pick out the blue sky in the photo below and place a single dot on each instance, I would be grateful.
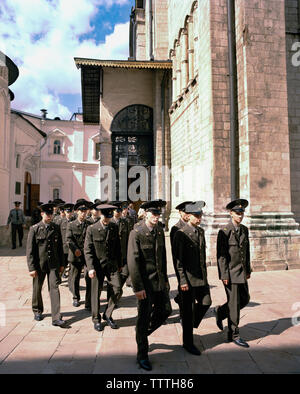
(44, 43)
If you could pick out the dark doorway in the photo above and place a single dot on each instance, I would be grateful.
(132, 144)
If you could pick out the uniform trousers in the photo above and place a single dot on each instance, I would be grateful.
(113, 287)
(16, 228)
(237, 298)
(74, 279)
(194, 303)
(152, 313)
(53, 279)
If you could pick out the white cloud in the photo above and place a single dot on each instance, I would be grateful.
(43, 37)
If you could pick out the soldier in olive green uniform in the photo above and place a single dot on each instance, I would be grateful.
(68, 209)
(125, 225)
(103, 258)
(147, 266)
(233, 255)
(190, 257)
(45, 257)
(184, 218)
(75, 236)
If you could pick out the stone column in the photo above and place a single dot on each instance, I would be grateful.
(174, 79)
(264, 134)
(4, 144)
(178, 69)
(191, 48)
(184, 60)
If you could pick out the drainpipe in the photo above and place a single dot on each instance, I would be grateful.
(151, 57)
(234, 125)
(162, 90)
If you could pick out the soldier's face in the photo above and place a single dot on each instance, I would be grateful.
(81, 215)
(95, 213)
(62, 214)
(237, 217)
(69, 215)
(117, 214)
(46, 217)
(152, 218)
(125, 212)
(195, 220)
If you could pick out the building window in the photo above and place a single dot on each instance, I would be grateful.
(18, 188)
(18, 161)
(139, 3)
(55, 194)
(97, 150)
(56, 147)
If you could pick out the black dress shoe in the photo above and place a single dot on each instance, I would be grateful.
(145, 364)
(192, 349)
(98, 326)
(240, 342)
(38, 317)
(218, 320)
(88, 308)
(110, 322)
(59, 323)
(76, 303)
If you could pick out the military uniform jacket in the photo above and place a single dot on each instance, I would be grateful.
(146, 259)
(75, 236)
(63, 229)
(180, 224)
(190, 255)
(233, 254)
(91, 220)
(124, 231)
(102, 247)
(44, 248)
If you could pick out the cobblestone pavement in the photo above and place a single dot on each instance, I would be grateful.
(267, 323)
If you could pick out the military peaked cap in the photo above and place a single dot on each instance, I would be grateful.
(238, 205)
(181, 206)
(47, 208)
(195, 208)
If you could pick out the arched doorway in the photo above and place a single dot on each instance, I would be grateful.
(132, 142)
(27, 194)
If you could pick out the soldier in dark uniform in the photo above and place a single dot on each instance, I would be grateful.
(17, 219)
(45, 257)
(125, 225)
(190, 255)
(184, 218)
(147, 265)
(61, 214)
(68, 210)
(233, 255)
(94, 214)
(75, 236)
(36, 216)
(102, 252)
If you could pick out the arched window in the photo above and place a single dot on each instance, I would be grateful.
(56, 147)
(56, 194)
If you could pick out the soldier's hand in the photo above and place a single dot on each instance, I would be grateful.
(77, 253)
(184, 287)
(92, 274)
(61, 269)
(226, 282)
(248, 276)
(33, 274)
(141, 295)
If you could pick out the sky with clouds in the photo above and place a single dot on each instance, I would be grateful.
(43, 36)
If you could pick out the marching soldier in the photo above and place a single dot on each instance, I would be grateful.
(17, 219)
(148, 271)
(184, 218)
(94, 214)
(61, 214)
(233, 255)
(75, 236)
(190, 255)
(68, 210)
(45, 257)
(125, 225)
(102, 252)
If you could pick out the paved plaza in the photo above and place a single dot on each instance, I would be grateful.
(267, 323)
